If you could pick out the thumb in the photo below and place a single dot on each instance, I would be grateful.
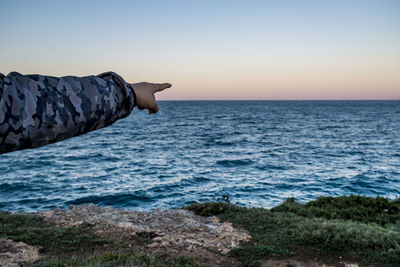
(153, 109)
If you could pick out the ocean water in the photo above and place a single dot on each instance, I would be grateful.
(257, 152)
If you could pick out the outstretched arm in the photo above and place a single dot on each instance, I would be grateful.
(36, 110)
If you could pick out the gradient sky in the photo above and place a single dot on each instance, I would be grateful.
(213, 49)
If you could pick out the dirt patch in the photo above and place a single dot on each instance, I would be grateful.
(312, 258)
(308, 257)
(298, 263)
(14, 253)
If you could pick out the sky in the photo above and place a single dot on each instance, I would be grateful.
(213, 49)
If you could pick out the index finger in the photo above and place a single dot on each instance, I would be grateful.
(161, 86)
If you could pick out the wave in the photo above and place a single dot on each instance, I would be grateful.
(273, 167)
(234, 162)
(114, 199)
(6, 187)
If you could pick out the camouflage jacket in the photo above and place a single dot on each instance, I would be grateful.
(36, 110)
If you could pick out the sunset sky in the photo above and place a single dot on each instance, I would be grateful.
(213, 49)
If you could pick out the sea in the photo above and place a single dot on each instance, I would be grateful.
(258, 153)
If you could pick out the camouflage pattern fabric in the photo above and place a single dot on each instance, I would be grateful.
(36, 110)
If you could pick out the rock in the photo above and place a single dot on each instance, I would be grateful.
(15, 253)
(165, 244)
(125, 225)
(170, 228)
(152, 245)
(225, 251)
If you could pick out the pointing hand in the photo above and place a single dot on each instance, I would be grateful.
(145, 91)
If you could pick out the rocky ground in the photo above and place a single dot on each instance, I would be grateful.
(173, 232)
(14, 253)
(325, 232)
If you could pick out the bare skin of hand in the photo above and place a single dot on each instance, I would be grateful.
(145, 91)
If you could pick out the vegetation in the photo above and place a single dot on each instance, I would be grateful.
(33, 230)
(119, 259)
(359, 228)
(377, 210)
(78, 246)
(366, 229)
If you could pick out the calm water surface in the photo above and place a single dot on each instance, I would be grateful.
(257, 152)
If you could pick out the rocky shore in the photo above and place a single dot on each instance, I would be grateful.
(329, 231)
(168, 229)
(175, 231)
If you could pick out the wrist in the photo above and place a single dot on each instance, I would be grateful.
(134, 95)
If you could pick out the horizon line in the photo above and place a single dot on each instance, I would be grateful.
(279, 100)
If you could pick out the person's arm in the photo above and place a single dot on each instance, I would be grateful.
(36, 110)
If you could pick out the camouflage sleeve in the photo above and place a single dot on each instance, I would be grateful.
(36, 110)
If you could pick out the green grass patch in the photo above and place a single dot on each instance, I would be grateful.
(109, 259)
(377, 210)
(327, 224)
(33, 230)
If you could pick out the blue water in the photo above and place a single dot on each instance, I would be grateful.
(257, 152)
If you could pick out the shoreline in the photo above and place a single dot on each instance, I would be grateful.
(335, 231)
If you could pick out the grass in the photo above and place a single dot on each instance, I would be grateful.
(33, 230)
(361, 228)
(77, 246)
(110, 259)
(366, 229)
(377, 210)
